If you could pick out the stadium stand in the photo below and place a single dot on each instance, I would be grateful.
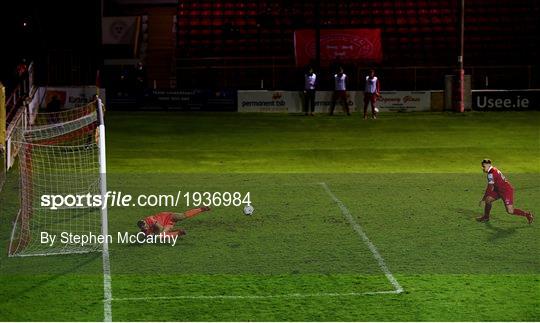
(419, 38)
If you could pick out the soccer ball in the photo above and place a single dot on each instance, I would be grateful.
(376, 110)
(248, 209)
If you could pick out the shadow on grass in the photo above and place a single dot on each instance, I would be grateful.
(500, 233)
(468, 213)
(497, 231)
(473, 214)
(52, 277)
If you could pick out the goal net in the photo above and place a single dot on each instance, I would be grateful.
(59, 160)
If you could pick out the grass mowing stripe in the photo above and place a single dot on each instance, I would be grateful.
(365, 238)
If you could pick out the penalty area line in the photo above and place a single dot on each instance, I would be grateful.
(296, 295)
(380, 260)
(357, 228)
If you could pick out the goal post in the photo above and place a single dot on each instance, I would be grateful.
(107, 286)
(102, 168)
(61, 155)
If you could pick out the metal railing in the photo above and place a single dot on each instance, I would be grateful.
(281, 73)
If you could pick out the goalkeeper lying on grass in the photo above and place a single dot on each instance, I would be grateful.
(163, 222)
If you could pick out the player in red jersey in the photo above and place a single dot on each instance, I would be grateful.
(499, 188)
(163, 222)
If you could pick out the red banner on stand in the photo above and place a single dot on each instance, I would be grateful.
(344, 44)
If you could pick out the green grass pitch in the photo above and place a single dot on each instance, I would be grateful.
(412, 182)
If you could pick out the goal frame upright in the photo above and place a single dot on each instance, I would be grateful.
(107, 287)
(87, 131)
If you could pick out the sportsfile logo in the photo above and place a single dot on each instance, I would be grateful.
(119, 199)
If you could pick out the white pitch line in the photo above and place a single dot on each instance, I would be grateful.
(297, 295)
(361, 233)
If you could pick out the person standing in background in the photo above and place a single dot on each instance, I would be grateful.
(310, 83)
(22, 76)
(371, 93)
(340, 91)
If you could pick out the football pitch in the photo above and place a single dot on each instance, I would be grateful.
(355, 220)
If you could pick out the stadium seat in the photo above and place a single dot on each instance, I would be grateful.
(413, 31)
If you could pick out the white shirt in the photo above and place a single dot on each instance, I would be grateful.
(340, 82)
(490, 178)
(310, 80)
(371, 85)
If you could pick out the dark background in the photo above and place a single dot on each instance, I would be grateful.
(55, 30)
(221, 45)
